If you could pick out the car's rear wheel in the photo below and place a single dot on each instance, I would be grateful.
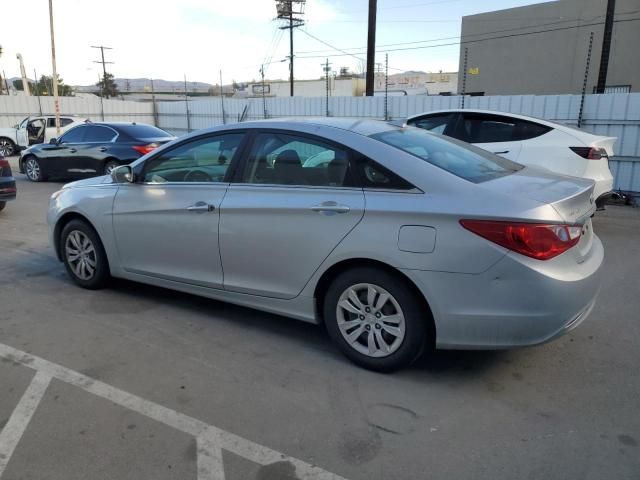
(33, 170)
(2, 205)
(83, 255)
(7, 147)
(109, 166)
(376, 319)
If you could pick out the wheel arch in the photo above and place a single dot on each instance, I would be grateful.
(336, 269)
(61, 223)
(22, 160)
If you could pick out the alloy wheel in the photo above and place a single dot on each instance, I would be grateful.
(32, 168)
(6, 148)
(371, 320)
(81, 255)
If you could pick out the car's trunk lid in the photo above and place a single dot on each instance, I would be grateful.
(571, 197)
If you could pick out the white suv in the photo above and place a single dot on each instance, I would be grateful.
(34, 130)
(529, 141)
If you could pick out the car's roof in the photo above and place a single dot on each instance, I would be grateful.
(362, 126)
(559, 126)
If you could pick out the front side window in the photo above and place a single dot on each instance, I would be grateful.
(75, 135)
(286, 159)
(201, 160)
(464, 161)
(434, 123)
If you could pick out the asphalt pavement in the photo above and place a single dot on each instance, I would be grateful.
(138, 382)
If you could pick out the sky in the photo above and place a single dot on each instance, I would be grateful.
(169, 38)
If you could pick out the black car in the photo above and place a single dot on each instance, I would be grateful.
(7, 183)
(91, 149)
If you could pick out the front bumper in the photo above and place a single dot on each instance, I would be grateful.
(517, 302)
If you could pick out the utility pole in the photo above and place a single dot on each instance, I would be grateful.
(155, 107)
(104, 68)
(186, 104)
(464, 74)
(371, 48)
(23, 74)
(386, 86)
(37, 91)
(327, 68)
(264, 101)
(224, 119)
(586, 78)
(290, 11)
(606, 46)
(54, 80)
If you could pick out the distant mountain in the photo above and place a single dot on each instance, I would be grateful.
(144, 85)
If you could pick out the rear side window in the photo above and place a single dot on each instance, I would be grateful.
(97, 133)
(465, 161)
(434, 123)
(144, 132)
(372, 175)
(487, 129)
(64, 121)
(527, 130)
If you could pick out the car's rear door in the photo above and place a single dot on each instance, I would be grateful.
(166, 224)
(280, 218)
(494, 133)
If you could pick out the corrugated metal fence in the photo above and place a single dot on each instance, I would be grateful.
(14, 108)
(616, 115)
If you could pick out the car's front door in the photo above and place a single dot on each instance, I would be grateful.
(441, 123)
(166, 224)
(61, 157)
(285, 213)
(495, 133)
(21, 133)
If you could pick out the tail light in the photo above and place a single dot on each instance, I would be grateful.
(535, 240)
(590, 153)
(5, 168)
(144, 149)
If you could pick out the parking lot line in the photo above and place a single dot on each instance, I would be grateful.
(21, 416)
(211, 440)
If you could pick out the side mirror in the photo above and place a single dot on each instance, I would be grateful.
(53, 141)
(122, 174)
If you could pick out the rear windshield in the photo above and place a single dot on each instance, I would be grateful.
(459, 158)
(144, 132)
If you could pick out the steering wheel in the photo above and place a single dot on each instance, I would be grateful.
(197, 176)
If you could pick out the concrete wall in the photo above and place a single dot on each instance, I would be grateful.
(551, 62)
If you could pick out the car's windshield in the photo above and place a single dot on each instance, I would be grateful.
(458, 158)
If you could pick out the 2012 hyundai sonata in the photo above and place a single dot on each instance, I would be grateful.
(394, 238)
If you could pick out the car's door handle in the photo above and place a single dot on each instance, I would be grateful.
(501, 153)
(330, 208)
(103, 149)
(72, 150)
(201, 207)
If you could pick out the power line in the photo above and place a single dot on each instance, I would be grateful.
(479, 40)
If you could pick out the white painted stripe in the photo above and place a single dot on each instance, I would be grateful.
(20, 418)
(210, 464)
(211, 440)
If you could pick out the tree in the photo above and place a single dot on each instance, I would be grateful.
(45, 87)
(17, 84)
(107, 86)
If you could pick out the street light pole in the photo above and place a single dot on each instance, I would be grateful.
(55, 72)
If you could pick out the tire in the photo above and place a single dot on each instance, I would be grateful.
(108, 166)
(404, 333)
(79, 240)
(2, 205)
(7, 147)
(32, 169)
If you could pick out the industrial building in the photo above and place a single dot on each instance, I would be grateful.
(543, 48)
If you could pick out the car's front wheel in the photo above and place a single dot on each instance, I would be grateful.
(83, 255)
(376, 319)
(33, 170)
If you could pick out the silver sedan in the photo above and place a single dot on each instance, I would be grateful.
(397, 241)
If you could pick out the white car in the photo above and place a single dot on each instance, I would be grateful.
(529, 141)
(34, 130)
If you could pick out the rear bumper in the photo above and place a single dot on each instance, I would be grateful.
(8, 189)
(513, 304)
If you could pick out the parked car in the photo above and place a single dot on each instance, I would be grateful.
(7, 183)
(530, 141)
(34, 130)
(404, 241)
(91, 149)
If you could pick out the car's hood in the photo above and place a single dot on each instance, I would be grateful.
(89, 182)
(571, 197)
(8, 132)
